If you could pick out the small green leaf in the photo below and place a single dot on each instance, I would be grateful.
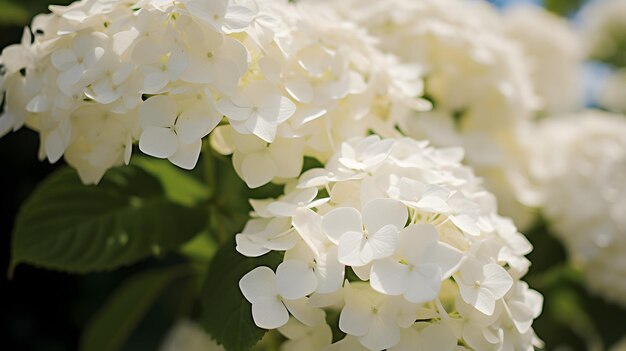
(65, 225)
(116, 320)
(180, 186)
(563, 7)
(227, 315)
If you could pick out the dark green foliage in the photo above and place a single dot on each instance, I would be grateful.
(65, 225)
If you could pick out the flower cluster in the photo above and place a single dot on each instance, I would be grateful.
(554, 53)
(100, 75)
(476, 77)
(404, 241)
(580, 165)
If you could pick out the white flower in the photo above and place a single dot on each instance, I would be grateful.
(288, 204)
(262, 235)
(258, 110)
(304, 338)
(86, 51)
(173, 131)
(481, 285)
(258, 162)
(579, 165)
(441, 244)
(221, 15)
(371, 236)
(370, 316)
(418, 267)
(214, 59)
(313, 265)
(269, 308)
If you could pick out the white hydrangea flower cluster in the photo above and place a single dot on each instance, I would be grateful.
(555, 55)
(404, 241)
(99, 75)
(476, 77)
(579, 162)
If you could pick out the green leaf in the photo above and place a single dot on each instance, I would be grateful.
(116, 320)
(227, 315)
(563, 7)
(180, 186)
(65, 225)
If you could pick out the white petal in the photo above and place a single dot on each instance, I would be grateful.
(249, 248)
(258, 284)
(295, 279)
(158, 142)
(228, 108)
(63, 59)
(389, 277)
(237, 18)
(381, 335)
(195, 123)
(445, 257)
(258, 169)
(155, 81)
(262, 128)
(235, 52)
(158, 111)
(70, 77)
(186, 156)
(303, 311)
(382, 244)
(355, 320)
(425, 284)
(381, 212)
(286, 109)
(340, 221)
(466, 224)
(330, 273)
(300, 89)
(350, 248)
(415, 240)
(497, 280)
(269, 313)
(177, 64)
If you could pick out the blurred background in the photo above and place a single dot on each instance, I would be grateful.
(44, 310)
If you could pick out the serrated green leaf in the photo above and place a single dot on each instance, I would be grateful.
(227, 315)
(116, 320)
(65, 225)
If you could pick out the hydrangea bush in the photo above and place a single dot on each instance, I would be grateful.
(311, 166)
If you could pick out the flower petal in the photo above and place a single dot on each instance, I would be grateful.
(340, 221)
(186, 156)
(381, 212)
(295, 279)
(158, 142)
